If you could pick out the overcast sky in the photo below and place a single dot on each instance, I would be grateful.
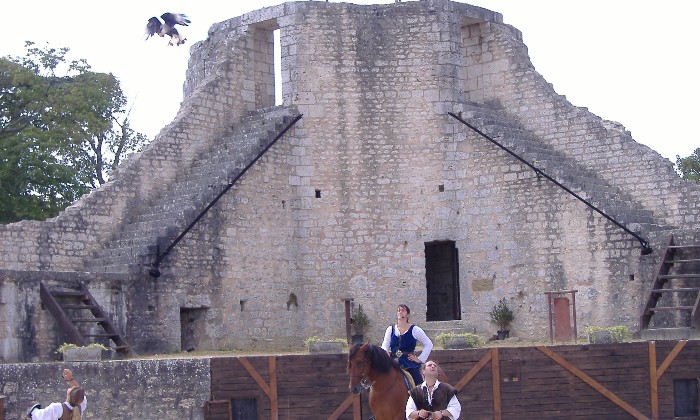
(627, 61)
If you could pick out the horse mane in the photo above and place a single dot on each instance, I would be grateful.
(376, 356)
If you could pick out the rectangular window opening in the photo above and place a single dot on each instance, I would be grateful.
(267, 56)
(278, 67)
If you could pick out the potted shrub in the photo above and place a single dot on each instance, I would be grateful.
(359, 322)
(502, 316)
(74, 353)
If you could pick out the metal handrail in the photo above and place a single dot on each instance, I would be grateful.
(646, 248)
(155, 271)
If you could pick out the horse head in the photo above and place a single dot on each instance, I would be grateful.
(357, 366)
(368, 363)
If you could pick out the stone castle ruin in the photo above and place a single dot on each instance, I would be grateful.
(364, 184)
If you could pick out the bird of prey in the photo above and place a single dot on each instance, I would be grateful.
(154, 26)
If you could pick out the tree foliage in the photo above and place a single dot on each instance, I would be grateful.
(689, 167)
(63, 128)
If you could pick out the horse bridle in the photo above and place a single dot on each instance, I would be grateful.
(364, 382)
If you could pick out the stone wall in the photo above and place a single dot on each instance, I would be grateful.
(345, 203)
(118, 389)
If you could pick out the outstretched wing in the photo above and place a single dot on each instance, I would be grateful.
(153, 27)
(173, 19)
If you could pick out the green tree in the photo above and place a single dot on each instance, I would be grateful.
(63, 129)
(689, 167)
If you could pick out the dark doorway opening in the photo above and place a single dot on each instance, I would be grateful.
(442, 281)
(192, 323)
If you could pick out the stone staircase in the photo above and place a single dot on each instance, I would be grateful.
(565, 170)
(153, 227)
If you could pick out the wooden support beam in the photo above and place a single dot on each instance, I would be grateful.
(351, 399)
(255, 375)
(473, 371)
(272, 369)
(357, 407)
(269, 390)
(653, 381)
(592, 383)
(496, 376)
(670, 358)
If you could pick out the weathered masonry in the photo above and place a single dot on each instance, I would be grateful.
(372, 188)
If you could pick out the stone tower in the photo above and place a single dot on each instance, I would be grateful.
(377, 193)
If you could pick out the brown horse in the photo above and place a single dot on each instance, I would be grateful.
(371, 365)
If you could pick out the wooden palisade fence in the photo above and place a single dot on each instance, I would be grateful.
(639, 380)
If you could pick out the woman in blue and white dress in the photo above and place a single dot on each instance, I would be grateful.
(400, 342)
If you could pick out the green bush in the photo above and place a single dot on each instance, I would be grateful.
(501, 315)
(66, 346)
(359, 320)
(619, 333)
(472, 340)
(315, 339)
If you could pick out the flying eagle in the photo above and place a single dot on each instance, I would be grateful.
(154, 26)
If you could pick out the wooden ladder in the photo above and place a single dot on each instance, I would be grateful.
(61, 303)
(664, 283)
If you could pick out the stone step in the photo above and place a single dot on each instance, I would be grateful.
(182, 201)
(564, 170)
(680, 333)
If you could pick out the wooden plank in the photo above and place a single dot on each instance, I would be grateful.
(343, 406)
(595, 385)
(357, 407)
(473, 371)
(255, 375)
(55, 308)
(219, 408)
(495, 374)
(671, 357)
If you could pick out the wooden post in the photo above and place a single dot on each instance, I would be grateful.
(496, 379)
(549, 315)
(573, 303)
(653, 381)
(2, 407)
(272, 371)
(348, 320)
